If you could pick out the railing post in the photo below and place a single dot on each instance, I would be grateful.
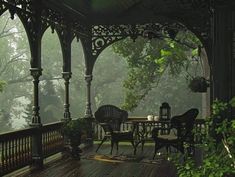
(37, 155)
(67, 115)
(88, 112)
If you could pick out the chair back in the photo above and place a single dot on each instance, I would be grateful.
(184, 124)
(110, 117)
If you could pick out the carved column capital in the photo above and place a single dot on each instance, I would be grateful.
(66, 75)
(36, 72)
(88, 78)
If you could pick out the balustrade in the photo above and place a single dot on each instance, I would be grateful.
(16, 146)
(200, 128)
(52, 139)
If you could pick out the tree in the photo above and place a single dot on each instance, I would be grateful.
(148, 61)
(13, 63)
(50, 105)
(5, 119)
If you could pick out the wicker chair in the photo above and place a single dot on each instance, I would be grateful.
(181, 131)
(110, 118)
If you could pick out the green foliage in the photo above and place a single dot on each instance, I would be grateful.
(75, 128)
(2, 84)
(14, 68)
(50, 104)
(218, 146)
(147, 62)
(109, 72)
(5, 121)
(149, 59)
(28, 113)
(170, 89)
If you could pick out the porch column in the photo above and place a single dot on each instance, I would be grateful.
(66, 37)
(89, 63)
(36, 73)
(35, 28)
(37, 154)
(223, 62)
(66, 76)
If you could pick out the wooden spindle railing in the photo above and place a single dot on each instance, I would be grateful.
(16, 146)
(15, 150)
(52, 139)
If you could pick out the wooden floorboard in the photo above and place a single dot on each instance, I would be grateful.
(67, 167)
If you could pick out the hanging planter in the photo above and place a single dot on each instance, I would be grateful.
(198, 84)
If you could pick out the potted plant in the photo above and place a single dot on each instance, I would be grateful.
(75, 131)
(198, 84)
(218, 145)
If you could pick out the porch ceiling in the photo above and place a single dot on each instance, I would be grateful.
(128, 11)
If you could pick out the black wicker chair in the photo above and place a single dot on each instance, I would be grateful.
(181, 131)
(110, 118)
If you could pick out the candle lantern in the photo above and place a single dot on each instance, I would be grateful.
(165, 111)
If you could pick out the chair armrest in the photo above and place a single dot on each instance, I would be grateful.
(103, 124)
(107, 128)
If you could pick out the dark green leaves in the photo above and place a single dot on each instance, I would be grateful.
(149, 59)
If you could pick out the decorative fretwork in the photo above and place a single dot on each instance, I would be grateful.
(2, 8)
(53, 18)
(65, 35)
(26, 10)
(80, 29)
(24, 5)
(105, 35)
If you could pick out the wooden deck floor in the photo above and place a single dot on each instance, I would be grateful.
(141, 166)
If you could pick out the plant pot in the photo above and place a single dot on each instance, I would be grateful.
(198, 84)
(74, 145)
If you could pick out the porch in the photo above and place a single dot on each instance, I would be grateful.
(97, 27)
(139, 166)
(16, 154)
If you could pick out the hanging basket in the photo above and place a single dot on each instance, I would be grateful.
(198, 84)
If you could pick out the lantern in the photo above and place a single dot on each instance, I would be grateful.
(165, 111)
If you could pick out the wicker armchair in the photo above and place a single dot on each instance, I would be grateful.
(180, 132)
(110, 118)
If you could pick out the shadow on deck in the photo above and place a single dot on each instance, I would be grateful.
(102, 164)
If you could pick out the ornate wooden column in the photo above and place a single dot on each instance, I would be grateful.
(66, 37)
(223, 64)
(34, 28)
(89, 63)
(36, 119)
